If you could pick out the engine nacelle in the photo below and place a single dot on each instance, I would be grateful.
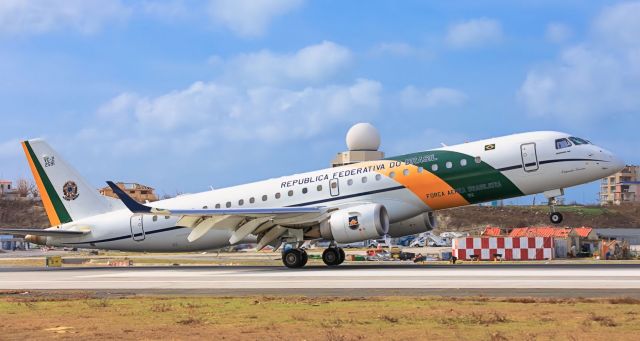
(418, 224)
(356, 223)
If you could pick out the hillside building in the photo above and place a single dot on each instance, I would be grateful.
(5, 187)
(622, 187)
(138, 192)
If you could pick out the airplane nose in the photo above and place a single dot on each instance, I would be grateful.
(617, 163)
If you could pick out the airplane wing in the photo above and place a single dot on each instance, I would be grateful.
(43, 232)
(268, 223)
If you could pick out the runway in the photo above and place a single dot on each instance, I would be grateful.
(409, 279)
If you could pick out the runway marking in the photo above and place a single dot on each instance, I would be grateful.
(323, 278)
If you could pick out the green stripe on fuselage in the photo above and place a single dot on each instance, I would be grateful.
(63, 215)
(476, 182)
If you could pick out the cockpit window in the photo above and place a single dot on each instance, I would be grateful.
(562, 143)
(578, 141)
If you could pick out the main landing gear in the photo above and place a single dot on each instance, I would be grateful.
(333, 256)
(295, 258)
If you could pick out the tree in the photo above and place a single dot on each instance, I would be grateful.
(26, 188)
(22, 187)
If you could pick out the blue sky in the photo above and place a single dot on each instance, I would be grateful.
(183, 95)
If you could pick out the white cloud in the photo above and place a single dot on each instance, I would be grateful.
(10, 148)
(595, 78)
(249, 18)
(474, 33)
(218, 112)
(426, 139)
(619, 25)
(308, 65)
(415, 98)
(558, 33)
(394, 49)
(167, 9)
(41, 16)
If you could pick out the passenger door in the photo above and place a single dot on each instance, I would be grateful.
(529, 157)
(137, 228)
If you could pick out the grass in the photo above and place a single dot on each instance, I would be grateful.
(581, 210)
(84, 316)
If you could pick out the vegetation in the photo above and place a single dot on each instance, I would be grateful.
(91, 316)
(475, 218)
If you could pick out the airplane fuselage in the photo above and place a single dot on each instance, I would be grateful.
(407, 186)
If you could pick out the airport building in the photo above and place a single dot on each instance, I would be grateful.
(363, 141)
(138, 192)
(622, 187)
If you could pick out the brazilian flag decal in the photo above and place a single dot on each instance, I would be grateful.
(490, 146)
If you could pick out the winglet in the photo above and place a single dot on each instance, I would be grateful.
(131, 204)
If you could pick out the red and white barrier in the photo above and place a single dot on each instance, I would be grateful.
(510, 248)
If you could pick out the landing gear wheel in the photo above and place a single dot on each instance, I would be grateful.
(342, 256)
(556, 217)
(294, 258)
(331, 256)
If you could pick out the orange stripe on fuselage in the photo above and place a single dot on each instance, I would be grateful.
(46, 201)
(433, 191)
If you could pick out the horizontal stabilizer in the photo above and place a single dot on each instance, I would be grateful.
(41, 232)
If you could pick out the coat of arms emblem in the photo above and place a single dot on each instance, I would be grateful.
(353, 222)
(70, 191)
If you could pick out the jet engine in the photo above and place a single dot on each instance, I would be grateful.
(418, 224)
(357, 223)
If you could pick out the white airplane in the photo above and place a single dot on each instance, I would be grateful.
(395, 196)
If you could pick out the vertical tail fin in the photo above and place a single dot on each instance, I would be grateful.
(65, 194)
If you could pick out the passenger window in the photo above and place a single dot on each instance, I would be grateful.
(264, 198)
(562, 143)
(319, 188)
(378, 177)
(166, 217)
(405, 172)
(228, 204)
(240, 202)
(448, 164)
(392, 175)
(217, 205)
(277, 195)
(252, 200)
(478, 159)
(434, 167)
(463, 162)
(304, 190)
(334, 185)
(205, 207)
(420, 169)
(155, 218)
(349, 182)
(290, 193)
(364, 179)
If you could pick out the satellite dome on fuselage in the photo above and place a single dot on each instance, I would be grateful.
(363, 136)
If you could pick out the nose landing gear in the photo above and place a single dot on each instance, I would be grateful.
(554, 217)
